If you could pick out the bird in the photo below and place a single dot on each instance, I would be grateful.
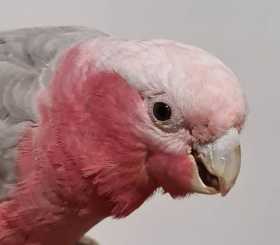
(92, 125)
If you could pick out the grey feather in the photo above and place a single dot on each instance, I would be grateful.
(26, 56)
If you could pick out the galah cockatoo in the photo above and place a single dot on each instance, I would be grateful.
(91, 125)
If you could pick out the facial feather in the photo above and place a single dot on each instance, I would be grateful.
(207, 93)
(105, 86)
(109, 122)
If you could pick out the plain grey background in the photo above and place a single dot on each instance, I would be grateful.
(246, 36)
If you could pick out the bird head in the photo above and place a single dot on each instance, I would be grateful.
(143, 115)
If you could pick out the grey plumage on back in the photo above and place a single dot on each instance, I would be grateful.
(26, 57)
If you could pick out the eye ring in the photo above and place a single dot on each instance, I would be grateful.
(162, 111)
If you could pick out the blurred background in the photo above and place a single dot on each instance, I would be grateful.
(246, 36)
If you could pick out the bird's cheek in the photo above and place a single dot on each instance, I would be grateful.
(171, 172)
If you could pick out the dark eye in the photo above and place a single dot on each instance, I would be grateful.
(161, 111)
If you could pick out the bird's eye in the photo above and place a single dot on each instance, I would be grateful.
(161, 111)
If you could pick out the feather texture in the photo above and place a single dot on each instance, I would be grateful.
(77, 132)
(26, 58)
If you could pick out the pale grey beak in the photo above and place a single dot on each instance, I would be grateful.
(217, 164)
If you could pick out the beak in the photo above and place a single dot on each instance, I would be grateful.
(217, 164)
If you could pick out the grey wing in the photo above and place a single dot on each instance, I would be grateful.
(26, 56)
